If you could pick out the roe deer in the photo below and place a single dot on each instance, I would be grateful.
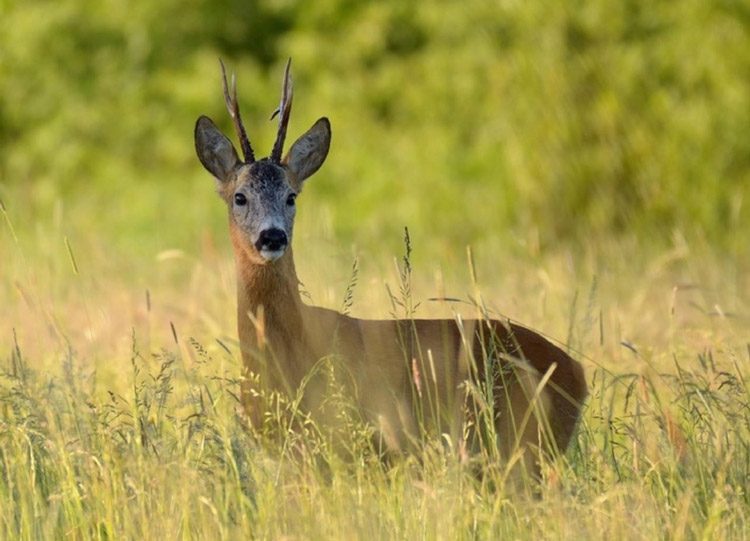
(535, 389)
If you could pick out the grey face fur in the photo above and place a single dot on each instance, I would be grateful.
(264, 201)
(261, 195)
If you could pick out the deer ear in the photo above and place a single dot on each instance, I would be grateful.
(214, 150)
(309, 151)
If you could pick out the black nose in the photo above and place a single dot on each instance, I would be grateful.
(271, 239)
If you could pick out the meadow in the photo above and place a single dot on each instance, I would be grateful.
(581, 167)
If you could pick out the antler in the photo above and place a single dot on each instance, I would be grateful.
(234, 112)
(285, 108)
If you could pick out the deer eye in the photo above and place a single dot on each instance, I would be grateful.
(240, 199)
(290, 199)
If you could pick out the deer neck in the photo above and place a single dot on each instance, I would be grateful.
(270, 315)
(273, 286)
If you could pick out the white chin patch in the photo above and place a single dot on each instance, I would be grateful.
(271, 255)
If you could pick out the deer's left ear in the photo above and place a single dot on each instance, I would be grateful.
(309, 151)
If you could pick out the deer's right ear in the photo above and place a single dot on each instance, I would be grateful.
(214, 150)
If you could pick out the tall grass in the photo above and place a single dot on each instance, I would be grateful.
(593, 155)
(135, 431)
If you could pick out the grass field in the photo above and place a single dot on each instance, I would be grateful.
(119, 417)
(582, 168)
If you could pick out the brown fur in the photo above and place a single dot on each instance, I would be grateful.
(469, 380)
(383, 356)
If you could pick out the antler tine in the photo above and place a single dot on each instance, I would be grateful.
(285, 108)
(234, 112)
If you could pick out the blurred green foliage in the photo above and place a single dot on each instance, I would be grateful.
(467, 120)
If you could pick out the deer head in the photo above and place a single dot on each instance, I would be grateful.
(260, 194)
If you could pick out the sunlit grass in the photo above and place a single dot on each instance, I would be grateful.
(593, 156)
(120, 419)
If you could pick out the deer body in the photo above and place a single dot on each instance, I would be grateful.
(404, 375)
